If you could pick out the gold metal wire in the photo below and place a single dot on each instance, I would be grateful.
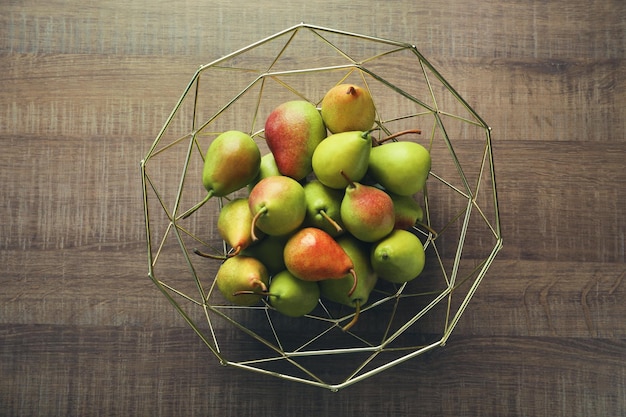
(457, 283)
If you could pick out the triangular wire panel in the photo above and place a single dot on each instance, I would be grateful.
(178, 126)
(331, 49)
(174, 270)
(468, 143)
(403, 74)
(166, 171)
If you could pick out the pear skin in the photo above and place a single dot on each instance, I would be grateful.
(400, 167)
(292, 296)
(348, 152)
(242, 280)
(234, 224)
(267, 168)
(347, 107)
(323, 207)
(367, 212)
(408, 211)
(231, 162)
(337, 289)
(278, 205)
(313, 255)
(269, 250)
(292, 131)
(399, 257)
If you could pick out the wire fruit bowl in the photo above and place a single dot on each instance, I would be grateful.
(460, 231)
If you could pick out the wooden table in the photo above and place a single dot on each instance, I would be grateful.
(85, 88)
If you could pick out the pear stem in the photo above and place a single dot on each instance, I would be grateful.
(221, 257)
(252, 292)
(428, 229)
(331, 221)
(354, 283)
(357, 312)
(255, 283)
(398, 134)
(258, 214)
(350, 182)
(197, 206)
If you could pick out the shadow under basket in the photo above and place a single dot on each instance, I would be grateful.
(460, 230)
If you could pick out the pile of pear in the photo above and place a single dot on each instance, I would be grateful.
(329, 210)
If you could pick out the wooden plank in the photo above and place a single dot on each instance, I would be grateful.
(63, 95)
(516, 298)
(165, 372)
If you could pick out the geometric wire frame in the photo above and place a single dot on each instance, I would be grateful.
(461, 237)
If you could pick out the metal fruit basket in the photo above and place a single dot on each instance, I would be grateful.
(460, 231)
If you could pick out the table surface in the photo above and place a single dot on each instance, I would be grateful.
(86, 87)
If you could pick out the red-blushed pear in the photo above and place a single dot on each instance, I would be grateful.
(292, 131)
(311, 254)
(399, 257)
(367, 212)
(231, 162)
(348, 107)
(337, 289)
(242, 280)
(234, 225)
(408, 211)
(278, 206)
(348, 152)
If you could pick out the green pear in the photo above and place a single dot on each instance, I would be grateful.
(231, 162)
(399, 257)
(242, 280)
(311, 254)
(267, 168)
(278, 205)
(292, 296)
(234, 225)
(347, 107)
(323, 207)
(408, 211)
(269, 250)
(367, 212)
(401, 167)
(292, 131)
(346, 151)
(337, 290)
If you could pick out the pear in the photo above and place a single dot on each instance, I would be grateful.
(231, 162)
(336, 290)
(269, 250)
(267, 168)
(400, 167)
(292, 296)
(347, 107)
(346, 151)
(323, 207)
(399, 257)
(292, 131)
(278, 206)
(367, 212)
(242, 280)
(408, 211)
(311, 254)
(234, 225)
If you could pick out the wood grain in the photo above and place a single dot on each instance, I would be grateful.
(85, 89)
